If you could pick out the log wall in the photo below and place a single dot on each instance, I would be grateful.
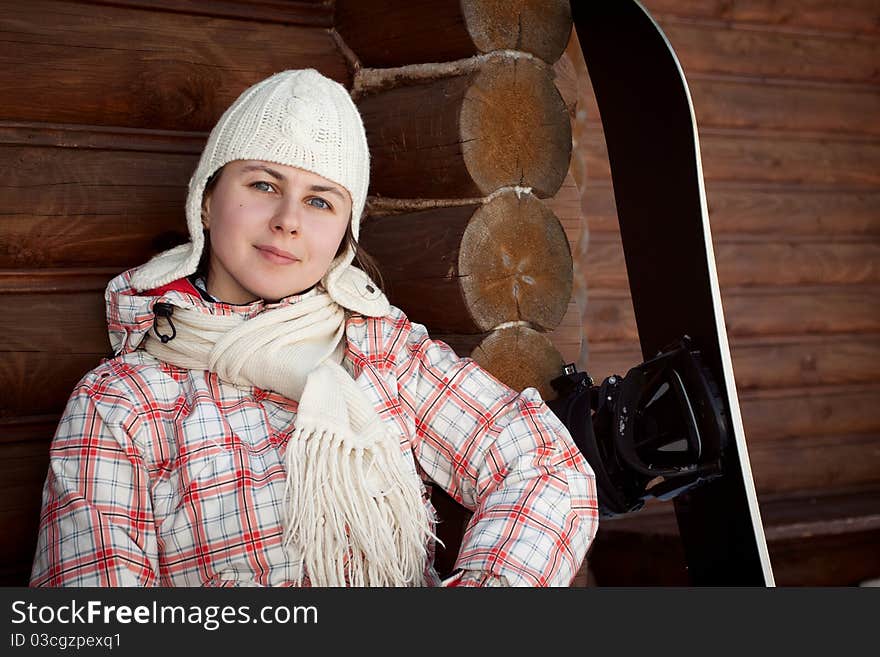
(787, 99)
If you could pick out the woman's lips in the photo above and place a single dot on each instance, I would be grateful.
(276, 256)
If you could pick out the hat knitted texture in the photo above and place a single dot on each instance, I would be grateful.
(298, 118)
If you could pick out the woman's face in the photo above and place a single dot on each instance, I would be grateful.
(274, 230)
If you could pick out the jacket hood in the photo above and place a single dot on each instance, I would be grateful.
(131, 314)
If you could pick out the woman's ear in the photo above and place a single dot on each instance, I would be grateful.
(206, 211)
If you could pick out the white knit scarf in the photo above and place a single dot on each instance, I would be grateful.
(353, 510)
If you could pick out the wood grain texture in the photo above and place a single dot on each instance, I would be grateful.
(815, 462)
(520, 358)
(774, 415)
(121, 66)
(384, 34)
(769, 157)
(289, 12)
(70, 207)
(765, 210)
(787, 106)
(467, 135)
(77, 324)
(756, 312)
(849, 16)
(468, 269)
(728, 101)
(705, 47)
(756, 263)
(40, 383)
(770, 363)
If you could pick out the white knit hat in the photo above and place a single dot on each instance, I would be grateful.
(302, 119)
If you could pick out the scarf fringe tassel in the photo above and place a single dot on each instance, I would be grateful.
(351, 514)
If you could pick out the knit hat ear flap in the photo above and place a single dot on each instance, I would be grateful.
(351, 288)
(298, 118)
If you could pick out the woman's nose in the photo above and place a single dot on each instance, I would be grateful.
(287, 218)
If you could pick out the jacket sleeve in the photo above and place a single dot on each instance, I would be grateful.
(505, 456)
(96, 523)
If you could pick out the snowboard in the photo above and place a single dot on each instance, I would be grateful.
(656, 171)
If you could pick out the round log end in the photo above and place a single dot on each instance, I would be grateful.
(515, 264)
(540, 27)
(515, 128)
(520, 357)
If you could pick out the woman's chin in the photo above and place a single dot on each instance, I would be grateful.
(272, 294)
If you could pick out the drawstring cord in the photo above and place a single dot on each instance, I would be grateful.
(164, 310)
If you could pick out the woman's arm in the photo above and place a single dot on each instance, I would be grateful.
(503, 455)
(96, 523)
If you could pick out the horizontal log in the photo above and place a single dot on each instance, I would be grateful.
(40, 383)
(856, 16)
(65, 323)
(291, 12)
(704, 47)
(769, 210)
(751, 312)
(776, 415)
(29, 428)
(827, 560)
(151, 69)
(23, 468)
(829, 108)
(836, 510)
(456, 137)
(89, 208)
(520, 357)
(384, 34)
(768, 157)
(769, 363)
(745, 263)
(802, 361)
(51, 281)
(731, 102)
(69, 135)
(815, 462)
(468, 269)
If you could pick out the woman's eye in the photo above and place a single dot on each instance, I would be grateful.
(319, 203)
(263, 186)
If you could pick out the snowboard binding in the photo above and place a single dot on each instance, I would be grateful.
(656, 433)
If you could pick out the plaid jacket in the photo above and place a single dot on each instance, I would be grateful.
(171, 477)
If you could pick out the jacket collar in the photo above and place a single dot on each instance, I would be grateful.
(131, 314)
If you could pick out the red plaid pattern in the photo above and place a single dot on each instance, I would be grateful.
(161, 476)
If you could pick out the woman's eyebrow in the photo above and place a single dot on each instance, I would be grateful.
(262, 167)
(332, 190)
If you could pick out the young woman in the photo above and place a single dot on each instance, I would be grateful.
(269, 419)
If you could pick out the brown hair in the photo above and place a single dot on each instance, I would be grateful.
(362, 259)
